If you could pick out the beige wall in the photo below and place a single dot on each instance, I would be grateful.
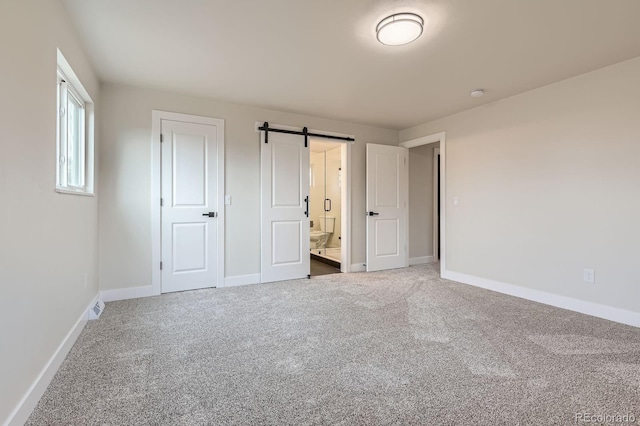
(421, 200)
(125, 239)
(549, 184)
(49, 240)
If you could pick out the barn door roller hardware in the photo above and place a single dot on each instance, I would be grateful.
(305, 132)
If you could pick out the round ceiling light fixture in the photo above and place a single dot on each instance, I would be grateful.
(476, 93)
(399, 29)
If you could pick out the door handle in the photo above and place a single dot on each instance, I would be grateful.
(306, 200)
(325, 204)
(373, 214)
(210, 214)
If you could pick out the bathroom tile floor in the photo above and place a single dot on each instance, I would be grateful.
(319, 268)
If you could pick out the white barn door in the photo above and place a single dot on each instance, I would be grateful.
(285, 207)
(387, 207)
(189, 206)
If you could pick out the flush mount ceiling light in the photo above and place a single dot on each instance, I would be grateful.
(399, 29)
(477, 93)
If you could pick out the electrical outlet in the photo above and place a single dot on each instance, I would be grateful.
(456, 201)
(589, 276)
(227, 200)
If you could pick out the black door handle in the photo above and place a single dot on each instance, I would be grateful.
(210, 214)
(373, 214)
(306, 200)
(325, 204)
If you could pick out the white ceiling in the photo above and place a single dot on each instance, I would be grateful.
(321, 57)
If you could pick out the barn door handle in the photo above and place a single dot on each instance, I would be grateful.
(306, 200)
(210, 214)
(373, 214)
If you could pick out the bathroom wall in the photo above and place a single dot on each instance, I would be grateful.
(316, 193)
(331, 170)
(332, 173)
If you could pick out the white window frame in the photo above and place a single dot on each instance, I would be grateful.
(70, 86)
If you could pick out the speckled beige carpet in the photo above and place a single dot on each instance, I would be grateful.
(395, 347)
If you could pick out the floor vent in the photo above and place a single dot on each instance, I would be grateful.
(96, 310)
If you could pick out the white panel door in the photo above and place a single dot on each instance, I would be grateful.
(387, 207)
(285, 207)
(189, 194)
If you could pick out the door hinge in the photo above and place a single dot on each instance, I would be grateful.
(161, 202)
(161, 266)
(161, 138)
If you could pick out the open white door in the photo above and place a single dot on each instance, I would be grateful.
(285, 207)
(189, 205)
(387, 207)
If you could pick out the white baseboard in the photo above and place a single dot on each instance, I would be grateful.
(594, 309)
(25, 407)
(126, 293)
(241, 280)
(420, 260)
(358, 267)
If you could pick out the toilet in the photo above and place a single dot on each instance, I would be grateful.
(318, 239)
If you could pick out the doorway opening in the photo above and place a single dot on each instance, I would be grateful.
(422, 214)
(426, 199)
(325, 206)
(285, 163)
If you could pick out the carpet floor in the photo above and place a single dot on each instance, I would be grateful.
(394, 347)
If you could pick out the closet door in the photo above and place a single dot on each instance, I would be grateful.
(387, 210)
(190, 224)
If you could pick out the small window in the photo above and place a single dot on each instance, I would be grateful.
(75, 143)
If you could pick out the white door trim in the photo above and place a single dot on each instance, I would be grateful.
(436, 231)
(425, 140)
(156, 218)
(345, 210)
(345, 213)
